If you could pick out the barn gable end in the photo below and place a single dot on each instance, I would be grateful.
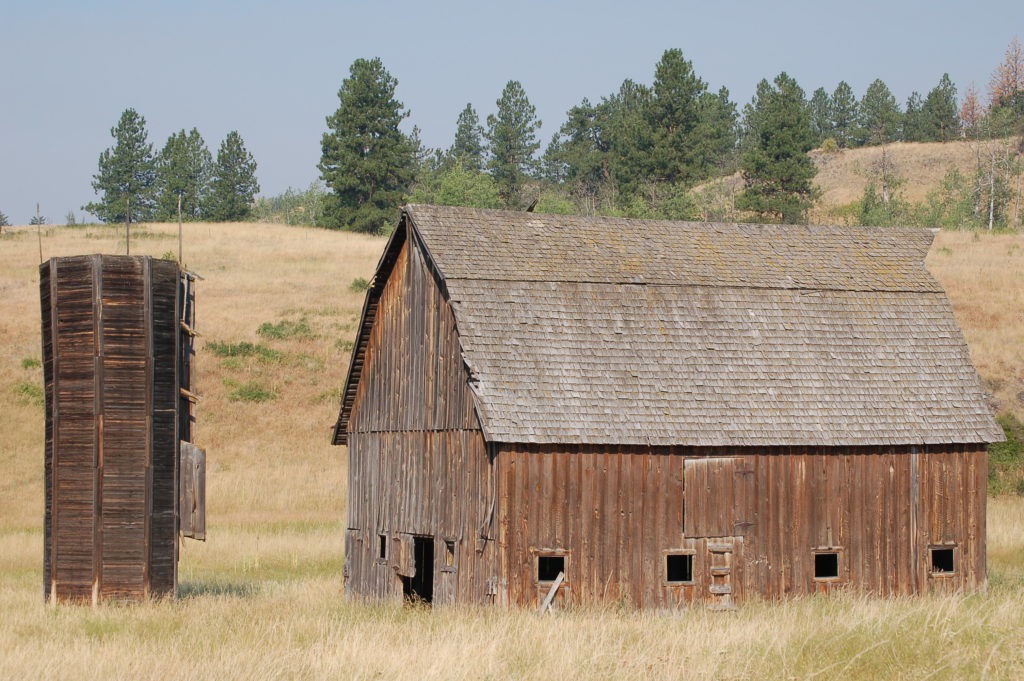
(420, 475)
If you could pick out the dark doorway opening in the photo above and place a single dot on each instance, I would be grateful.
(420, 587)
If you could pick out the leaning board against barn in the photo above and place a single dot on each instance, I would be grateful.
(598, 409)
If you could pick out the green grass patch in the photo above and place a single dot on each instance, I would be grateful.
(359, 285)
(344, 344)
(252, 391)
(30, 363)
(244, 349)
(28, 393)
(1006, 459)
(286, 329)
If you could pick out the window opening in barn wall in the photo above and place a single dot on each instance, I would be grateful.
(548, 567)
(679, 568)
(826, 565)
(942, 560)
(382, 550)
(449, 564)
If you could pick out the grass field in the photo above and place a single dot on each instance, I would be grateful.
(262, 598)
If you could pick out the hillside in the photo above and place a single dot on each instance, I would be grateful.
(261, 598)
(918, 168)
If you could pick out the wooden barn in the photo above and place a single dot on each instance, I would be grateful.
(595, 409)
(118, 365)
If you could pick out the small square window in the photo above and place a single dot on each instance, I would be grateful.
(548, 567)
(449, 555)
(382, 550)
(826, 565)
(679, 568)
(942, 561)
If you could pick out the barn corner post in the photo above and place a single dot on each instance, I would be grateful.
(111, 355)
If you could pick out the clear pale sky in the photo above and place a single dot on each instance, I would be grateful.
(272, 70)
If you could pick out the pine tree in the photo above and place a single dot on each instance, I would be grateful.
(880, 116)
(233, 185)
(3, 220)
(821, 115)
(366, 161)
(844, 115)
(940, 112)
(629, 137)
(914, 127)
(468, 149)
(183, 170)
(127, 174)
(777, 170)
(692, 129)
(512, 142)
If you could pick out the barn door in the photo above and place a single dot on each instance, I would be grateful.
(718, 496)
(718, 502)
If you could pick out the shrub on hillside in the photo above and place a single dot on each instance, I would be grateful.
(1006, 459)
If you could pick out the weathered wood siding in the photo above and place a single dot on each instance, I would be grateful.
(751, 518)
(418, 464)
(110, 330)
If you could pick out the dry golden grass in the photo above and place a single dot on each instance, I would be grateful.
(843, 175)
(983, 274)
(262, 598)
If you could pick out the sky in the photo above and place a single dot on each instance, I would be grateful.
(272, 71)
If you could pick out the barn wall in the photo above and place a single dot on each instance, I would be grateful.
(752, 520)
(418, 464)
(110, 349)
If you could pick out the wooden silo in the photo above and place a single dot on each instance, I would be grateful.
(117, 352)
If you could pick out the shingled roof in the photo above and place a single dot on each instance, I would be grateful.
(616, 331)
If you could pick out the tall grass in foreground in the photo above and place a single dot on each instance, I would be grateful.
(263, 601)
(262, 598)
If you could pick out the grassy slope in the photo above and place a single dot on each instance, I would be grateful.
(262, 596)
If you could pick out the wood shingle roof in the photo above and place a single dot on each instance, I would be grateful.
(616, 331)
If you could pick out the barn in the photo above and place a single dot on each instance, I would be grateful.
(568, 410)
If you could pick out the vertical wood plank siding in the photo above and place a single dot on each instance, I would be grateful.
(418, 463)
(752, 519)
(110, 348)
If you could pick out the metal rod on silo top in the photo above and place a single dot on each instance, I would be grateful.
(39, 232)
(179, 228)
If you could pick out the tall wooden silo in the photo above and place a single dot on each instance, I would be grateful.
(117, 352)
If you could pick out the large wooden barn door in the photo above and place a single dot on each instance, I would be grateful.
(718, 497)
(718, 502)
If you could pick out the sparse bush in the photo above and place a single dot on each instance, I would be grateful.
(27, 393)
(285, 329)
(169, 255)
(830, 146)
(244, 349)
(250, 392)
(359, 285)
(1006, 459)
